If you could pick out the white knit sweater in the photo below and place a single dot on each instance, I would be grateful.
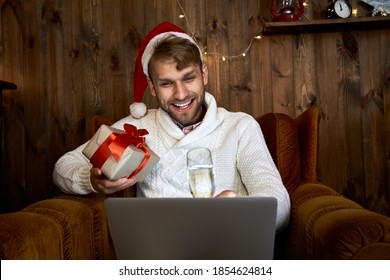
(241, 158)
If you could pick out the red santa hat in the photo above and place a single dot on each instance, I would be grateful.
(145, 52)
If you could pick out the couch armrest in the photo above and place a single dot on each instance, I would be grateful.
(326, 225)
(65, 227)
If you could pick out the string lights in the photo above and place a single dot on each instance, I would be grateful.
(224, 57)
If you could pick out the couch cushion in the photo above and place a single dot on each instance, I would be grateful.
(280, 134)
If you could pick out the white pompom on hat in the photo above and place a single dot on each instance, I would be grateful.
(150, 42)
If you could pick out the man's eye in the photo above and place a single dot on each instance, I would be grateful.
(189, 79)
(166, 84)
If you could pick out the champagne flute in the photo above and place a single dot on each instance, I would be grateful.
(200, 169)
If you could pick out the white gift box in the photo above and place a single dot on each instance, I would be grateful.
(130, 158)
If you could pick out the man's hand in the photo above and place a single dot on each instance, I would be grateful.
(227, 194)
(101, 184)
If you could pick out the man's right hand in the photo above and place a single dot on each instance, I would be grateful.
(101, 184)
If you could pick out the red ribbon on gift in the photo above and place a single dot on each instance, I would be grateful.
(116, 144)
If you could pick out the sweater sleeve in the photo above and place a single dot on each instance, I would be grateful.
(258, 171)
(72, 172)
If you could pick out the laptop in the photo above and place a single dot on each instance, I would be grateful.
(192, 228)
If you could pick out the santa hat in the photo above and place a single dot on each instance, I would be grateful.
(145, 52)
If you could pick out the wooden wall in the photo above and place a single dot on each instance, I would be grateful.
(72, 59)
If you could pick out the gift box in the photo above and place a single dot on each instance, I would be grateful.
(121, 153)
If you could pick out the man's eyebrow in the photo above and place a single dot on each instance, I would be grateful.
(186, 74)
(192, 71)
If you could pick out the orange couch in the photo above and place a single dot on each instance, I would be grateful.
(323, 225)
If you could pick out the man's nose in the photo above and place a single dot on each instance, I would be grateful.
(181, 91)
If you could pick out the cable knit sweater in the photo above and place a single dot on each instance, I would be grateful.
(241, 158)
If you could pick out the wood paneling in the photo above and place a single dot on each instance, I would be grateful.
(74, 59)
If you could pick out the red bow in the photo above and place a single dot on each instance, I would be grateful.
(116, 144)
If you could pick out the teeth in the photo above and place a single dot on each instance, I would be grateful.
(184, 105)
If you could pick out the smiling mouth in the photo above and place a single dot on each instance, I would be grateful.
(183, 105)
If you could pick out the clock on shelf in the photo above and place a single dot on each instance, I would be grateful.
(339, 9)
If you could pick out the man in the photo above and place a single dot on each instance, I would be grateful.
(171, 64)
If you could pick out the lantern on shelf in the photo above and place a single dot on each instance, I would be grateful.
(287, 10)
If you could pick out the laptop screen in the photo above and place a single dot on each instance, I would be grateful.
(192, 228)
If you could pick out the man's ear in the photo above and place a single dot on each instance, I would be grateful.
(151, 86)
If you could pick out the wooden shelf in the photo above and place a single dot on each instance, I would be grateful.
(7, 85)
(326, 25)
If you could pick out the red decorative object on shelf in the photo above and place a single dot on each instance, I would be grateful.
(287, 10)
